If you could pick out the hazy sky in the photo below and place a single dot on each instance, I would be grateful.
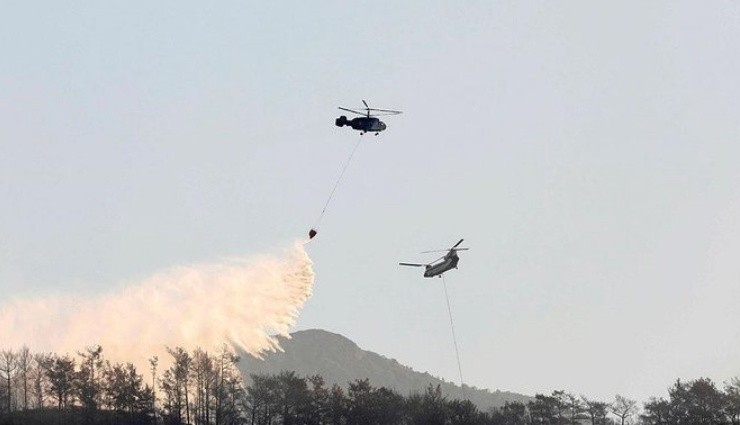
(587, 152)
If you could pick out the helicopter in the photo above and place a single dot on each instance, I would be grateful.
(366, 122)
(437, 267)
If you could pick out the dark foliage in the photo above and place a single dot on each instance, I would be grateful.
(201, 389)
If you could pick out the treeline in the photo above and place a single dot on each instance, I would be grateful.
(694, 402)
(200, 388)
(286, 399)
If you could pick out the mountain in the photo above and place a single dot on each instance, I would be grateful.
(340, 361)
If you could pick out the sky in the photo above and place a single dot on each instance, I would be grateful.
(587, 152)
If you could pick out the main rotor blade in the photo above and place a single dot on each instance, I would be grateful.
(411, 264)
(458, 243)
(352, 110)
(381, 114)
(389, 111)
(445, 250)
(366, 105)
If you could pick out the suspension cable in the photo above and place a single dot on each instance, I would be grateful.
(336, 184)
(454, 337)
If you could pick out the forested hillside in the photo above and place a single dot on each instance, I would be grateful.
(200, 388)
(340, 361)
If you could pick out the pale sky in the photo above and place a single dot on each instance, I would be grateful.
(586, 151)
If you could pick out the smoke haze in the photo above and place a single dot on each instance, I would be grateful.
(241, 301)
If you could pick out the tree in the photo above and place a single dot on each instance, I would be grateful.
(262, 399)
(318, 401)
(231, 409)
(39, 379)
(623, 408)
(153, 368)
(561, 405)
(8, 365)
(174, 384)
(87, 385)
(389, 407)
(25, 360)
(696, 402)
(464, 412)
(514, 413)
(227, 385)
(657, 411)
(428, 408)
(203, 377)
(575, 407)
(172, 403)
(732, 401)
(127, 396)
(596, 410)
(336, 406)
(61, 374)
(293, 397)
(543, 410)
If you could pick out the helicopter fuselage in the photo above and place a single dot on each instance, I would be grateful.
(363, 124)
(449, 262)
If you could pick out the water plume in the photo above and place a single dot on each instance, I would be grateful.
(244, 302)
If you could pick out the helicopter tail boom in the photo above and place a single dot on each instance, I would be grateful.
(341, 121)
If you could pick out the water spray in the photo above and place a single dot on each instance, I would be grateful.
(245, 302)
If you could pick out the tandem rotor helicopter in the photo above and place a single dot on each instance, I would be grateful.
(367, 121)
(437, 267)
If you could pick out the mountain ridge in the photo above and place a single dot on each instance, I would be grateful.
(339, 360)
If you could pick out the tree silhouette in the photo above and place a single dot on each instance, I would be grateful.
(25, 361)
(61, 374)
(596, 410)
(623, 408)
(8, 365)
(543, 410)
(87, 385)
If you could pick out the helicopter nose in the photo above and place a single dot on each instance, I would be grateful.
(382, 126)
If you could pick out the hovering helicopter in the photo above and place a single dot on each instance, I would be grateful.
(366, 122)
(437, 267)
